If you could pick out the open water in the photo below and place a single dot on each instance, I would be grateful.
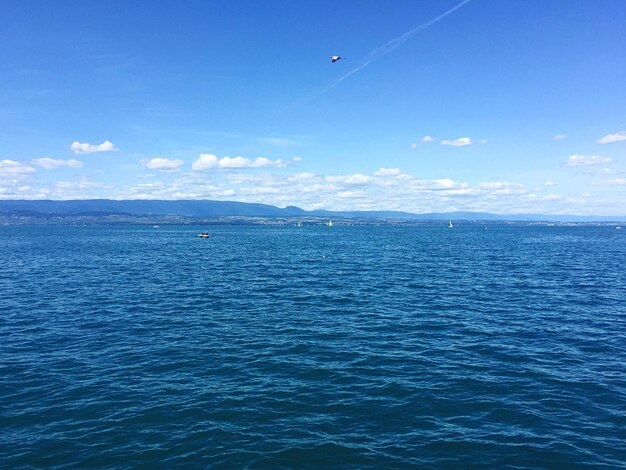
(350, 347)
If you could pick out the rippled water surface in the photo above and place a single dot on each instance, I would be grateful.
(313, 346)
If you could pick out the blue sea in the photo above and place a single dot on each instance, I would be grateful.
(313, 347)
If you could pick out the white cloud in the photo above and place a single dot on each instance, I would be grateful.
(460, 142)
(242, 162)
(13, 169)
(617, 137)
(82, 148)
(612, 182)
(81, 188)
(304, 176)
(206, 161)
(349, 194)
(313, 188)
(50, 163)
(413, 145)
(163, 164)
(82, 183)
(582, 160)
(503, 187)
(559, 137)
(428, 138)
(444, 183)
(148, 186)
(261, 190)
(23, 192)
(387, 172)
(494, 185)
(459, 192)
(549, 183)
(349, 179)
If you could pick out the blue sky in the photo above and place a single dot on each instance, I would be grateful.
(502, 106)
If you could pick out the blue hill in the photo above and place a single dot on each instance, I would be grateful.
(207, 208)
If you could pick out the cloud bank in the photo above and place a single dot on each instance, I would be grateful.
(208, 161)
(582, 160)
(163, 164)
(13, 169)
(386, 188)
(51, 164)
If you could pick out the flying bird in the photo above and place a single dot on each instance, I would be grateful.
(335, 58)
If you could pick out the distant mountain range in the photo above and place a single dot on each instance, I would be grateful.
(206, 208)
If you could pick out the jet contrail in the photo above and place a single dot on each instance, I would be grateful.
(377, 54)
(391, 45)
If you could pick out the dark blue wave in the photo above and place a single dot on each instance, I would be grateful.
(313, 347)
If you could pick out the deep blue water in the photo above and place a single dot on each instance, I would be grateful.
(313, 347)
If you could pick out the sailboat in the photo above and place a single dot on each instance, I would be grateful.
(330, 223)
(450, 224)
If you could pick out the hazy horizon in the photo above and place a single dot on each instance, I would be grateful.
(94, 205)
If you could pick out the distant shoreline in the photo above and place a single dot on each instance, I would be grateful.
(144, 211)
(122, 220)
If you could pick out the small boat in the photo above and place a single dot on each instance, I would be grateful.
(618, 227)
(299, 224)
(330, 223)
(450, 224)
(203, 235)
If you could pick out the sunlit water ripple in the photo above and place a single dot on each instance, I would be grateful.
(313, 346)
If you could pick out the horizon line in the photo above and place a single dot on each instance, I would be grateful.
(463, 211)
